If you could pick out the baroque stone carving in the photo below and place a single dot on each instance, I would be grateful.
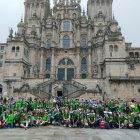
(36, 69)
(95, 68)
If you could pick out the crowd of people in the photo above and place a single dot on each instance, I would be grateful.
(109, 114)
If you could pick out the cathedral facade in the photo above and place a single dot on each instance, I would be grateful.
(65, 51)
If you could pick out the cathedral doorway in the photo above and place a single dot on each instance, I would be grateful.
(59, 93)
(65, 70)
(0, 89)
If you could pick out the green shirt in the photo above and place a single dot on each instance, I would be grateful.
(91, 117)
(66, 116)
(121, 119)
(45, 118)
(17, 116)
(111, 105)
(82, 117)
(19, 104)
(36, 117)
(15, 107)
(74, 117)
(108, 119)
(10, 118)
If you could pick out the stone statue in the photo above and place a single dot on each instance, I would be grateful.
(95, 67)
(78, 1)
(61, 2)
(36, 69)
(55, 2)
(11, 33)
(67, 2)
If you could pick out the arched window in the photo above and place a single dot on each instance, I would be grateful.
(84, 68)
(131, 54)
(62, 62)
(116, 48)
(66, 42)
(49, 44)
(69, 62)
(66, 61)
(13, 49)
(17, 49)
(1, 48)
(66, 26)
(48, 65)
(111, 48)
(84, 42)
(137, 54)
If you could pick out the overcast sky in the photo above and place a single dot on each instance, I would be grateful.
(127, 13)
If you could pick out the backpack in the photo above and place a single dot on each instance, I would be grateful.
(102, 125)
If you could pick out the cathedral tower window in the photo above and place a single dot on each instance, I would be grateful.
(66, 26)
(1, 48)
(137, 54)
(66, 42)
(84, 42)
(131, 54)
(13, 49)
(116, 48)
(48, 68)
(17, 49)
(48, 65)
(84, 68)
(111, 50)
(49, 43)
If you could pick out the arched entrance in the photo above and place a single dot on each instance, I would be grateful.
(65, 70)
(59, 93)
(0, 89)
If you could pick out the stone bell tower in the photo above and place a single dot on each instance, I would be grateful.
(94, 7)
(37, 9)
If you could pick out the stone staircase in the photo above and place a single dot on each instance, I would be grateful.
(71, 89)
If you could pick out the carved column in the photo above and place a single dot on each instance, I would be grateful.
(78, 33)
(78, 64)
(89, 63)
(52, 65)
(41, 64)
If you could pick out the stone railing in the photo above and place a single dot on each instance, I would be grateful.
(12, 78)
(124, 78)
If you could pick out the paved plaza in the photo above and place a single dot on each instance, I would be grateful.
(61, 133)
